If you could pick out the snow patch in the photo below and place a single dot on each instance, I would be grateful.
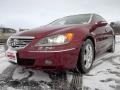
(105, 72)
(40, 76)
(20, 74)
(4, 64)
(11, 88)
(37, 75)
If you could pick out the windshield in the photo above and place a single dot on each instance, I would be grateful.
(74, 19)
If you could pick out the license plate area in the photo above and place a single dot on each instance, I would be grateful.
(12, 55)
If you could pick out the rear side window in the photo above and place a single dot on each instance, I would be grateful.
(99, 18)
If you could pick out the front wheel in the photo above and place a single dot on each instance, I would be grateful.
(86, 57)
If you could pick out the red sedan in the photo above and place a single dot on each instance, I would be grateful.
(68, 43)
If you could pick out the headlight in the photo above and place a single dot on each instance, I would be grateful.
(55, 40)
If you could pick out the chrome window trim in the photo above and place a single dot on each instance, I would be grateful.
(90, 18)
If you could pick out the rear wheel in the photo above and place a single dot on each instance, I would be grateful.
(112, 48)
(86, 57)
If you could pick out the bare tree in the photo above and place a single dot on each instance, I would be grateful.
(116, 26)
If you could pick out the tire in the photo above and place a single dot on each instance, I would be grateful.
(86, 57)
(112, 48)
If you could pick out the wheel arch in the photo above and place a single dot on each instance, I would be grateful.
(91, 38)
(93, 41)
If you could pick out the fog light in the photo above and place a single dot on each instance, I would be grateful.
(48, 62)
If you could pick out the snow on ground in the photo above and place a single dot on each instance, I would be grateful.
(2, 51)
(105, 75)
(3, 59)
(37, 75)
(4, 64)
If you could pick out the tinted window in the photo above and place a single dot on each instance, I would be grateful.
(99, 18)
(74, 19)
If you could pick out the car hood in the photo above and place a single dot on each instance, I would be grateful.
(44, 30)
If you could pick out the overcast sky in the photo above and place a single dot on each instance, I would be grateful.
(34, 13)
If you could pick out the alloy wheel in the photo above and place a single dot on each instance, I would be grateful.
(88, 56)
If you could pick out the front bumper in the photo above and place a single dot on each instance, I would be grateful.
(62, 59)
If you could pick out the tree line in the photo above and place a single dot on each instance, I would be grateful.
(116, 27)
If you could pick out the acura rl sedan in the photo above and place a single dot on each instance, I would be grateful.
(69, 43)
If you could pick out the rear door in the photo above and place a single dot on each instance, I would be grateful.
(110, 36)
(101, 38)
(101, 35)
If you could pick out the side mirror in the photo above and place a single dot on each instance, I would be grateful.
(101, 23)
(98, 24)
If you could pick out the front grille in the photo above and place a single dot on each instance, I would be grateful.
(25, 61)
(19, 42)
